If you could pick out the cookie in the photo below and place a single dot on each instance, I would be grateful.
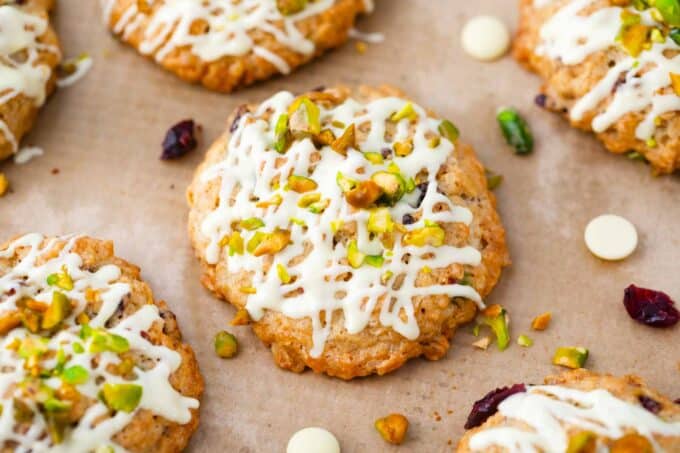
(29, 53)
(89, 360)
(352, 225)
(226, 45)
(579, 412)
(608, 69)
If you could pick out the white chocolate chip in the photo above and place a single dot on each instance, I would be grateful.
(611, 237)
(313, 440)
(485, 38)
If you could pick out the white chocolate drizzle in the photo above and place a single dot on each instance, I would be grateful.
(550, 409)
(20, 72)
(637, 84)
(97, 426)
(319, 289)
(230, 23)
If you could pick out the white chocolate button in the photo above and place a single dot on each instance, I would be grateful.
(485, 38)
(313, 440)
(611, 237)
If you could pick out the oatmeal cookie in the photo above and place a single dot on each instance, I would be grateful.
(352, 225)
(89, 360)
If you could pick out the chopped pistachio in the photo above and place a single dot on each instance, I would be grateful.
(226, 345)
(107, 341)
(56, 405)
(319, 207)
(392, 428)
(651, 142)
(345, 141)
(336, 225)
(78, 348)
(475, 330)
(338, 124)
(434, 141)
(403, 149)
(252, 223)
(30, 320)
(483, 343)
(433, 235)
(59, 309)
(364, 195)
(105, 449)
(241, 318)
(9, 320)
(121, 397)
(571, 357)
(634, 155)
(346, 184)
(380, 221)
(657, 36)
(297, 221)
(307, 199)
(675, 82)
(354, 256)
(283, 274)
(669, 10)
(632, 443)
(22, 411)
(449, 131)
(75, 375)
(374, 260)
(304, 117)
(633, 38)
(235, 244)
(675, 35)
(32, 347)
(582, 442)
(281, 134)
(255, 241)
(324, 138)
(542, 321)
(275, 200)
(374, 158)
(301, 184)
(406, 112)
(248, 290)
(61, 279)
(515, 130)
(525, 341)
(393, 186)
(272, 243)
(496, 317)
(289, 7)
(493, 180)
(4, 184)
(384, 278)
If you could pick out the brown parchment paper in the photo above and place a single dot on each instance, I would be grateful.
(103, 136)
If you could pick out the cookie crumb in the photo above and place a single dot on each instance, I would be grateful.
(55, 171)
(361, 47)
(4, 184)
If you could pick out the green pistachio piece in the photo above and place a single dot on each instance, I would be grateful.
(319, 207)
(107, 341)
(495, 317)
(406, 112)
(78, 348)
(283, 274)
(380, 221)
(336, 225)
(493, 180)
(271, 243)
(61, 279)
(384, 278)
(226, 345)
(22, 411)
(59, 309)
(324, 138)
(254, 241)
(354, 256)
(121, 397)
(32, 347)
(235, 244)
(374, 158)
(570, 357)
(57, 421)
(433, 235)
(345, 184)
(281, 134)
(85, 331)
(304, 117)
(403, 149)
(393, 186)
(307, 199)
(252, 223)
(55, 405)
(345, 141)
(525, 341)
(289, 7)
(670, 10)
(449, 131)
(515, 130)
(75, 375)
(581, 442)
(301, 184)
(675, 35)
(374, 260)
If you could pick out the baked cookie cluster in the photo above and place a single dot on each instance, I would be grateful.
(90, 362)
(29, 53)
(228, 44)
(612, 67)
(352, 226)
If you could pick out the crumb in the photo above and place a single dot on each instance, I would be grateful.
(55, 171)
(361, 47)
(482, 343)
(172, 186)
(437, 417)
(449, 412)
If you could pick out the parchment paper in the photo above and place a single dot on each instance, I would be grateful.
(103, 135)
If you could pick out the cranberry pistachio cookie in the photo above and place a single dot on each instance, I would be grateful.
(611, 67)
(576, 412)
(228, 44)
(89, 361)
(352, 226)
(29, 53)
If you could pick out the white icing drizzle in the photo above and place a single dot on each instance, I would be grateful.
(230, 24)
(248, 169)
(28, 279)
(20, 32)
(548, 409)
(373, 38)
(572, 37)
(27, 153)
(82, 67)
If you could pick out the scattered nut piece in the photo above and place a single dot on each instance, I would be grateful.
(525, 341)
(226, 345)
(541, 322)
(392, 428)
(573, 357)
(241, 318)
(482, 343)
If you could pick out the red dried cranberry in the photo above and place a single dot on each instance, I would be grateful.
(650, 404)
(179, 140)
(422, 187)
(408, 219)
(649, 307)
(487, 406)
(677, 401)
(540, 100)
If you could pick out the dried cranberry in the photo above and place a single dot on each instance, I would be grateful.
(487, 406)
(650, 404)
(408, 219)
(540, 100)
(179, 140)
(677, 401)
(649, 307)
(422, 187)
(386, 153)
(239, 113)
